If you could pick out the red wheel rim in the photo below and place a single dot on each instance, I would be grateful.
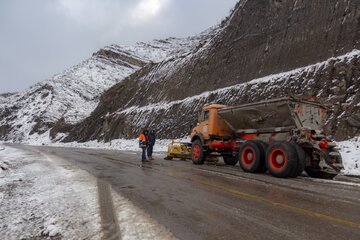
(196, 152)
(248, 155)
(277, 158)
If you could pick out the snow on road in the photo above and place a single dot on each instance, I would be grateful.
(136, 224)
(43, 196)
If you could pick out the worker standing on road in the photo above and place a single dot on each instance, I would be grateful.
(151, 143)
(143, 143)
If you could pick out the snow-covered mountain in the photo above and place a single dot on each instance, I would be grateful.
(73, 94)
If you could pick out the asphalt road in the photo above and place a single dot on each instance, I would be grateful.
(222, 202)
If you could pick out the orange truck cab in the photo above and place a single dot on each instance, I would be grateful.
(210, 124)
(212, 133)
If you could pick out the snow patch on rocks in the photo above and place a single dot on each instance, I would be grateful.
(51, 228)
(350, 152)
(158, 50)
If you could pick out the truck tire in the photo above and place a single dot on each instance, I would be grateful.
(317, 173)
(197, 153)
(301, 160)
(251, 157)
(230, 160)
(263, 147)
(281, 159)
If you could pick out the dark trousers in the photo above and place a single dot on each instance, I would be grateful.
(143, 156)
(150, 150)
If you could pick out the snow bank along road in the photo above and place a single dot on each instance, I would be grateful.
(42, 196)
(175, 199)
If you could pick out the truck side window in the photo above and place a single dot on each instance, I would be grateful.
(200, 117)
(206, 115)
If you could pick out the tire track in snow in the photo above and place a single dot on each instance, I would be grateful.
(109, 222)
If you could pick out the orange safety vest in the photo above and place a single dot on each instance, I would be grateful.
(142, 137)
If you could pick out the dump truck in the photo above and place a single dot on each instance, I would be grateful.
(283, 136)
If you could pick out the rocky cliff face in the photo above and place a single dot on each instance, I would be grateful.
(260, 38)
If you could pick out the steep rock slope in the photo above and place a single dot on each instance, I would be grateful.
(71, 96)
(259, 38)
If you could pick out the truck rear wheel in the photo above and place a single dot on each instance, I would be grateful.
(251, 157)
(301, 160)
(230, 160)
(281, 159)
(263, 147)
(197, 153)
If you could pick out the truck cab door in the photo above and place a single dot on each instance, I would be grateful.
(204, 124)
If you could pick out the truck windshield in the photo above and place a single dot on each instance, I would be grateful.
(206, 115)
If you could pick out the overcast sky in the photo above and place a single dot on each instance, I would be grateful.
(40, 38)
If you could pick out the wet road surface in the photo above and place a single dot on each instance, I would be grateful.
(223, 202)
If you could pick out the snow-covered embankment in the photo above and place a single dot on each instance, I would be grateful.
(350, 152)
(44, 196)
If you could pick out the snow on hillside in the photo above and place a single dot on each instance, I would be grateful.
(225, 92)
(71, 95)
(198, 47)
(5, 98)
(158, 50)
(74, 94)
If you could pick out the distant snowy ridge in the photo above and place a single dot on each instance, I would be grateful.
(158, 50)
(71, 95)
(179, 59)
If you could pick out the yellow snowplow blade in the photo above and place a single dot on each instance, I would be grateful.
(179, 150)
